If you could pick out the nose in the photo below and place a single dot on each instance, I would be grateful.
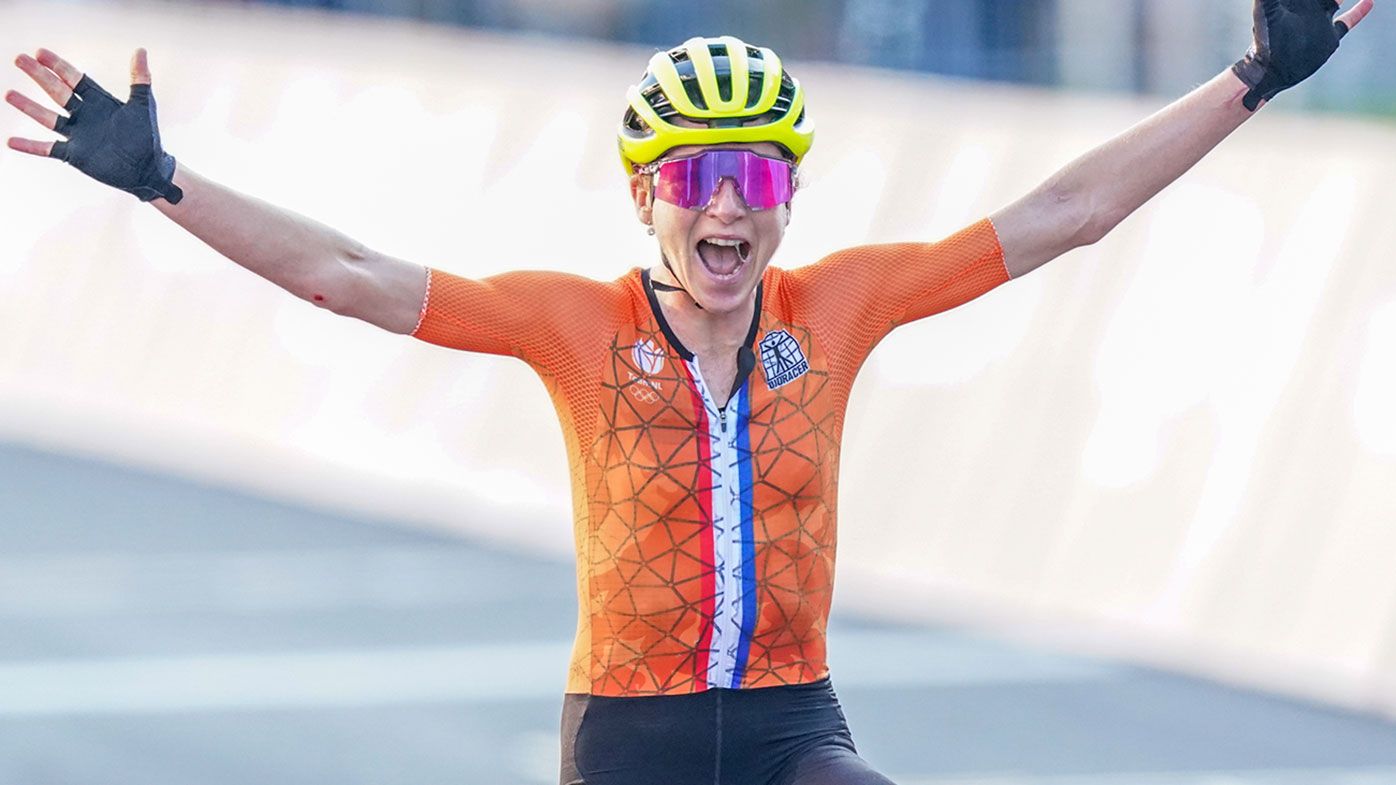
(727, 204)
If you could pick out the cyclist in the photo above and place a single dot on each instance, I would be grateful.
(703, 398)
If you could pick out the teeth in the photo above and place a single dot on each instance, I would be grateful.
(724, 241)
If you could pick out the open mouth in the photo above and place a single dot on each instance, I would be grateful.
(724, 257)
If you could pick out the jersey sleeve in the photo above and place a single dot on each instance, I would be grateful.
(854, 297)
(543, 318)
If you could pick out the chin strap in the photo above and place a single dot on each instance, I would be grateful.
(664, 287)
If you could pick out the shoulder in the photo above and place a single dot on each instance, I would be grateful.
(553, 287)
(530, 295)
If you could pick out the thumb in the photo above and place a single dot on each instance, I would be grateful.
(140, 69)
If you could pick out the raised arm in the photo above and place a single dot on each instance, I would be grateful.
(119, 144)
(1090, 196)
(306, 258)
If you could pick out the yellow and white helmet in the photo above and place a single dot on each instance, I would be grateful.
(732, 91)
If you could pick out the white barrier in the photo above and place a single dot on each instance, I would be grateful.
(1178, 445)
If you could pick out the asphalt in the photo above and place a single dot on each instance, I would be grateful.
(154, 630)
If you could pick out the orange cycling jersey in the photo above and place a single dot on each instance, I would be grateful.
(705, 534)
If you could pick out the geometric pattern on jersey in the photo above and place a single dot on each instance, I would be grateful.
(706, 534)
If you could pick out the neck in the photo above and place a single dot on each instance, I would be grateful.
(701, 329)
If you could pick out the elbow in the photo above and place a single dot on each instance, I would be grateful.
(1092, 230)
(1085, 221)
(332, 284)
(1101, 221)
(1080, 216)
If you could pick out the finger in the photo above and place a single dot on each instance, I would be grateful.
(1353, 16)
(45, 117)
(70, 75)
(140, 68)
(51, 84)
(30, 146)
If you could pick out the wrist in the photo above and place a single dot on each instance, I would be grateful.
(1244, 78)
(163, 186)
(183, 181)
(1252, 74)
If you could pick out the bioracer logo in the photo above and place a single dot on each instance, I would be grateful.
(782, 359)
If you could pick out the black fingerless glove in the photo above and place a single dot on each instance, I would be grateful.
(1293, 39)
(117, 143)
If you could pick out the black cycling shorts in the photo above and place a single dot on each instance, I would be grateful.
(793, 735)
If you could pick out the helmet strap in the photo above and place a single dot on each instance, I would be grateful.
(664, 287)
(659, 285)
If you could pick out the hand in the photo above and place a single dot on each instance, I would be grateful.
(113, 142)
(1293, 39)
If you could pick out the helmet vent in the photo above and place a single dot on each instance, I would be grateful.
(786, 97)
(724, 78)
(633, 122)
(653, 94)
(753, 91)
(694, 90)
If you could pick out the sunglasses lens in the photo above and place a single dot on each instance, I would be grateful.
(691, 183)
(765, 182)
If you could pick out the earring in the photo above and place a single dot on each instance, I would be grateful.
(650, 231)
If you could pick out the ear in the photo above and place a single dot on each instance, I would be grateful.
(641, 193)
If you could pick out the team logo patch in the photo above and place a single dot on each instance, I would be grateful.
(649, 359)
(782, 359)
